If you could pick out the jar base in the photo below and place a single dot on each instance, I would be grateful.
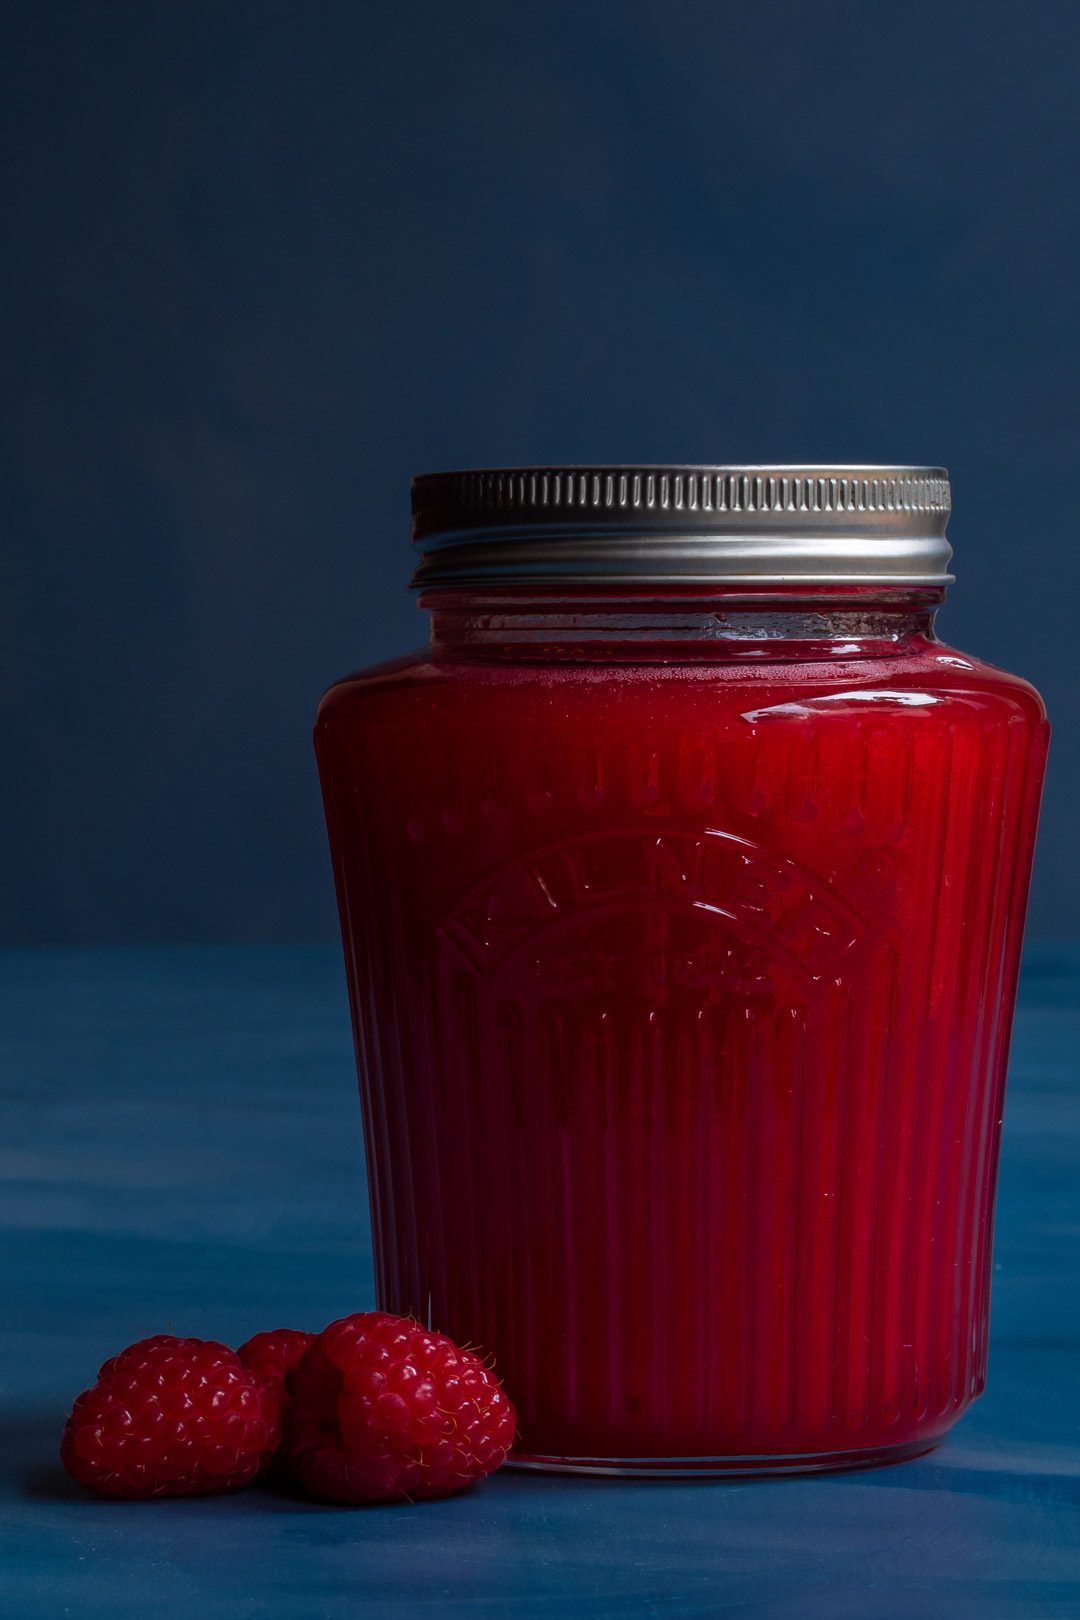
(753, 1467)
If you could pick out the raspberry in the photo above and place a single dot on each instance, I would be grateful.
(384, 1408)
(171, 1417)
(275, 1357)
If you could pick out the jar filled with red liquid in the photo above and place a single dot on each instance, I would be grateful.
(682, 879)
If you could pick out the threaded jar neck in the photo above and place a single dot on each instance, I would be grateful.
(669, 624)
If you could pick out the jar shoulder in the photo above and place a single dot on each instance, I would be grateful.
(962, 672)
(422, 694)
(362, 686)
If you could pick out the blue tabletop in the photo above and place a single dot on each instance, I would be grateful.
(182, 1152)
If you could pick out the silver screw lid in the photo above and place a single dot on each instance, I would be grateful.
(682, 525)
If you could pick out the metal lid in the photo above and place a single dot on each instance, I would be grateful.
(682, 525)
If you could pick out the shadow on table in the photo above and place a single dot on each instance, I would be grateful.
(31, 1469)
(1050, 1475)
(30, 1446)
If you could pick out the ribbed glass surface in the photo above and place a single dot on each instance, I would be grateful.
(682, 998)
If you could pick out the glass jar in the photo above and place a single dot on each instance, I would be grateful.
(682, 879)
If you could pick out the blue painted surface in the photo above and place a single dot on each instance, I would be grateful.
(182, 1150)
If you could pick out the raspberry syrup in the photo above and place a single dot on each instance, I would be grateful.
(682, 934)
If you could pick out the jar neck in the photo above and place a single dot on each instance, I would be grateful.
(681, 623)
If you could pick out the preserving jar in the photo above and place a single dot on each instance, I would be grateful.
(682, 879)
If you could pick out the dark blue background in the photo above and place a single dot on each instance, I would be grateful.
(264, 261)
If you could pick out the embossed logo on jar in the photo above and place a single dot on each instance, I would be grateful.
(663, 952)
(770, 904)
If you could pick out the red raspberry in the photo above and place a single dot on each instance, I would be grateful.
(275, 1355)
(384, 1408)
(171, 1417)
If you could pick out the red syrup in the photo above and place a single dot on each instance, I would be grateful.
(682, 936)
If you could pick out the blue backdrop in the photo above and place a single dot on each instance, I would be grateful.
(266, 260)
